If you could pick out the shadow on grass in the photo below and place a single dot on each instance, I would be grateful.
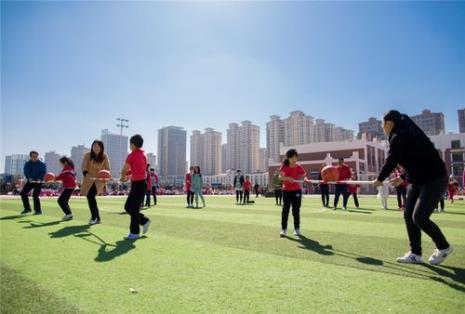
(457, 276)
(12, 217)
(119, 248)
(313, 245)
(358, 211)
(36, 224)
(68, 231)
(108, 251)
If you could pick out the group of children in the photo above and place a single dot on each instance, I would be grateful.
(242, 187)
(194, 187)
(135, 167)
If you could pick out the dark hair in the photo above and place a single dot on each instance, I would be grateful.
(97, 158)
(33, 152)
(152, 169)
(137, 141)
(340, 159)
(405, 123)
(191, 168)
(238, 170)
(67, 161)
(289, 154)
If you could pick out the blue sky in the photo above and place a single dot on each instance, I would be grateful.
(69, 69)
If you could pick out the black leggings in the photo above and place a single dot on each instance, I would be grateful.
(421, 201)
(190, 198)
(401, 195)
(278, 195)
(154, 193)
(355, 198)
(293, 198)
(246, 197)
(92, 201)
(324, 190)
(238, 196)
(64, 199)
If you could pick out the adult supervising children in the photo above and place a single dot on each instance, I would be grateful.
(410, 147)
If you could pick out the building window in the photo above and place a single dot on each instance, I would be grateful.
(457, 157)
(455, 144)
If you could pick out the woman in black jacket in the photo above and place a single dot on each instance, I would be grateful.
(412, 149)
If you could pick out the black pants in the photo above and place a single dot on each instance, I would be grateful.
(294, 199)
(401, 195)
(238, 196)
(132, 206)
(278, 195)
(355, 198)
(154, 193)
(148, 194)
(246, 197)
(341, 189)
(421, 201)
(35, 196)
(441, 203)
(92, 201)
(324, 190)
(64, 199)
(190, 198)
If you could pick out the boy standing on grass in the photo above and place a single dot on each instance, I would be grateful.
(136, 164)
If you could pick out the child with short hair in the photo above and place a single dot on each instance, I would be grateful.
(68, 176)
(246, 187)
(136, 164)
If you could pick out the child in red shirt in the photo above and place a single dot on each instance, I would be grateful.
(290, 172)
(352, 189)
(68, 176)
(246, 187)
(136, 162)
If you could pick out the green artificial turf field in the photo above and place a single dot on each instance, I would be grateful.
(224, 258)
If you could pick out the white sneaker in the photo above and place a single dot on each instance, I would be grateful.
(344, 208)
(94, 222)
(67, 217)
(145, 228)
(283, 233)
(410, 258)
(297, 232)
(439, 256)
(132, 236)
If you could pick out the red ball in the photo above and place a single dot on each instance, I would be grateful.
(104, 175)
(329, 174)
(49, 177)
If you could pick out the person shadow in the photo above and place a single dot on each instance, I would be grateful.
(68, 231)
(108, 251)
(119, 248)
(13, 217)
(312, 245)
(455, 274)
(35, 224)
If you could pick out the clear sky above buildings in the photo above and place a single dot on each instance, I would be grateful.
(69, 69)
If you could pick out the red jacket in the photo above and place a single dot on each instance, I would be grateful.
(247, 185)
(148, 179)
(344, 172)
(68, 176)
(352, 188)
